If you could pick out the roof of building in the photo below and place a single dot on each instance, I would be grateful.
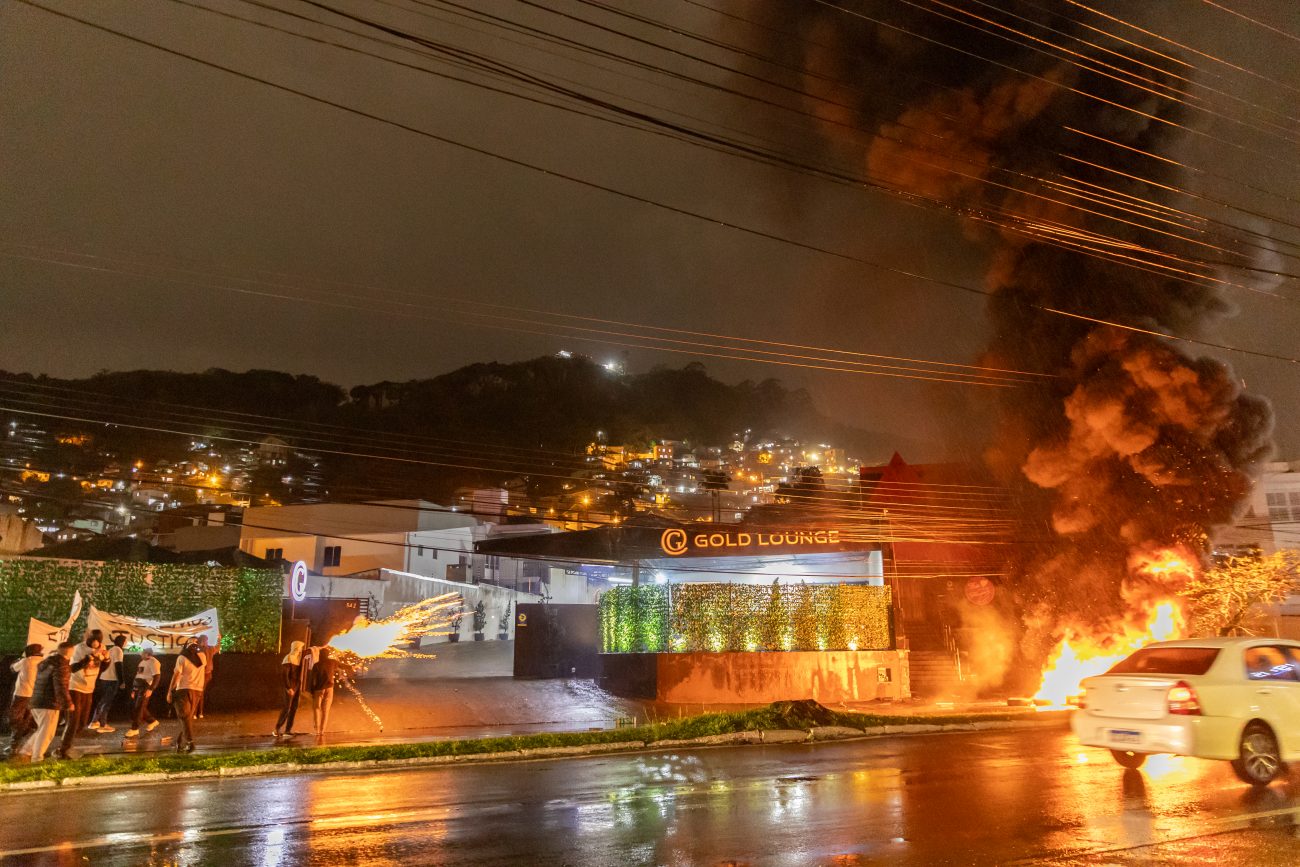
(140, 551)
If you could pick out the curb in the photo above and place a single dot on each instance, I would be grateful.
(817, 734)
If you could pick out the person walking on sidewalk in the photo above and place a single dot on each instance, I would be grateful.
(209, 652)
(148, 674)
(21, 721)
(50, 697)
(110, 683)
(87, 660)
(291, 683)
(183, 694)
(323, 675)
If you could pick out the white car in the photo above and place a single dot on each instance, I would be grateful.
(1236, 699)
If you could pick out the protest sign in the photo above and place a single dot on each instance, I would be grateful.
(168, 637)
(48, 635)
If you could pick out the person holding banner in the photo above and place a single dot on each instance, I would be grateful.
(183, 694)
(50, 697)
(87, 660)
(21, 721)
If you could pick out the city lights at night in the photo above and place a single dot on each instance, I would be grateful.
(689, 432)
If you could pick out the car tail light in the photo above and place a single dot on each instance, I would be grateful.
(1182, 699)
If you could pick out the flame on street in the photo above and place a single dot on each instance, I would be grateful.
(1155, 614)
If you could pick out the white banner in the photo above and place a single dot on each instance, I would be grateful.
(48, 636)
(140, 632)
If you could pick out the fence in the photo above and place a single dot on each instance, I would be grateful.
(684, 618)
(247, 600)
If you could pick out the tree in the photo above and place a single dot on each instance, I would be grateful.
(1231, 598)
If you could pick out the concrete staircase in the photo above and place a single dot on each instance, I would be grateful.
(933, 669)
(934, 674)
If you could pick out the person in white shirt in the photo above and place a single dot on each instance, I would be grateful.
(147, 676)
(110, 683)
(87, 661)
(183, 694)
(21, 721)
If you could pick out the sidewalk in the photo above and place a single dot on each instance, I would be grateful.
(416, 702)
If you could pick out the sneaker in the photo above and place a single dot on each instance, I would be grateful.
(153, 725)
(103, 730)
(94, 727)
(132, 733)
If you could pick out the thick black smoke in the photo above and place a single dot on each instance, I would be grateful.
(1134, 444)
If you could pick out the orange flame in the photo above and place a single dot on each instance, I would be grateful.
(1157, 616)
(379, 639)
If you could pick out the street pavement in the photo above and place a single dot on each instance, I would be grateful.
(467, 691)
(993, 797)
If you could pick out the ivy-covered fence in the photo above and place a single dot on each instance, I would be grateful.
(734, 617)
(247, 600)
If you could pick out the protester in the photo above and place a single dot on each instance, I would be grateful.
(324, 673)
(209, 652)
(291, 682)
(148, 674)
(183, 693)
(110, 683)
(21, 721)
(87, 660)
(50, 697)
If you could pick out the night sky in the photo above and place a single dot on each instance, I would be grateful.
(149, 161)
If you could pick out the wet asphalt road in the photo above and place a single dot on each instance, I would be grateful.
(980, 798)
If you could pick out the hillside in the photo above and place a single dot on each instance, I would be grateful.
(549, 403)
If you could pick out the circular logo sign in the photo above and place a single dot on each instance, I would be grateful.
(673, 542)
(298, 581)
(980, 591)
(523, 619)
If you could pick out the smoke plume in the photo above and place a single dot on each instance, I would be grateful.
(1066, 165)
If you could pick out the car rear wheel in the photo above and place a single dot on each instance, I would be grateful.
(1129, 759)
(1260, 761)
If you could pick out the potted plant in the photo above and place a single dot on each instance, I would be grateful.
(455, 627)
(503, 634)
(480, 620)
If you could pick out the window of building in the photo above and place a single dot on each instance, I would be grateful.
(332, 555)
(419, 550)
(274, 554)
(1283, 506)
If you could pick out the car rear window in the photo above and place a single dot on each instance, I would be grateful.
(1168, 660)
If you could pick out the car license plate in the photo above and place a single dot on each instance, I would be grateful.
(1125, 736)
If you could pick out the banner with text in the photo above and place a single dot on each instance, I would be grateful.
(48, 635)
(170, 637)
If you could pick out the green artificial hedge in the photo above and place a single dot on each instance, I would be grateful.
(745, 617)
(247, 600)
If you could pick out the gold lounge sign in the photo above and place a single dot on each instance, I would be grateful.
(676, 542)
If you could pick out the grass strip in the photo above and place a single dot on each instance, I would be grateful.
(779, 715)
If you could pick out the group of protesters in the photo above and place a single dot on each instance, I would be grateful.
(79, 682)
(307, 669)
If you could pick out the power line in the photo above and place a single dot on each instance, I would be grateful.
(584, 182)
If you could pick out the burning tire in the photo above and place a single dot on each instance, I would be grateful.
(1260, 761)
(1129, 759)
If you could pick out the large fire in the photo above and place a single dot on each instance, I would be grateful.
(1156, 614)
(381, 639)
